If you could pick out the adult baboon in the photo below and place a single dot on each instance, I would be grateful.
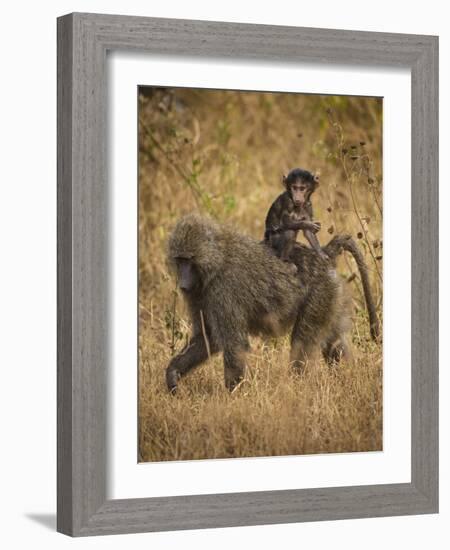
(235, 286)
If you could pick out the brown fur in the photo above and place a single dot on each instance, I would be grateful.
(246, 290)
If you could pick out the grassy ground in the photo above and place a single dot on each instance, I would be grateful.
(224, 153)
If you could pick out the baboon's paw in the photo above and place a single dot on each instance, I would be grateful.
(172, 377)
(233, 386)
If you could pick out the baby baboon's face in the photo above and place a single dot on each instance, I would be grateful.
(300, 191)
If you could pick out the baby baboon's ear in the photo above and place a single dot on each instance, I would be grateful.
(284, 180)
(316, 178)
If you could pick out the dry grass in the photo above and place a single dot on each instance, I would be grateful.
(224, 153)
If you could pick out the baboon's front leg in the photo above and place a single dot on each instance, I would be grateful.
(315, 245)
(299, 356)
(234, 367)
(191, 356)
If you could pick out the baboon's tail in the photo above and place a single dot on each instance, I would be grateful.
(335, 247)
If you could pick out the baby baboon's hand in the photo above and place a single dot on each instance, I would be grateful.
(314, 227)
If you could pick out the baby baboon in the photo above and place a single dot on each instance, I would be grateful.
(235, 287)
(292, 212)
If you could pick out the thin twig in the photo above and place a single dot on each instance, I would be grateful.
(348, 176)
(205, 336)
(174, 312)
(366, 165)
(197, 194)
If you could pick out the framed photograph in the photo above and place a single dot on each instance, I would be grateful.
(247, 274)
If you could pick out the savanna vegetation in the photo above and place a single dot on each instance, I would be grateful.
(223, 153)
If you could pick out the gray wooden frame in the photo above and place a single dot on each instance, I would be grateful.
(83, 40)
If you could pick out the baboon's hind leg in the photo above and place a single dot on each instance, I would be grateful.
(234, 366)
(336, 349)
(336, 346)
(314, 315)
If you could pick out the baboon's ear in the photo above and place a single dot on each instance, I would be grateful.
(316, 178)
(284, 180)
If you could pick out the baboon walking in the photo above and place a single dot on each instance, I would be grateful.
(235, 286)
